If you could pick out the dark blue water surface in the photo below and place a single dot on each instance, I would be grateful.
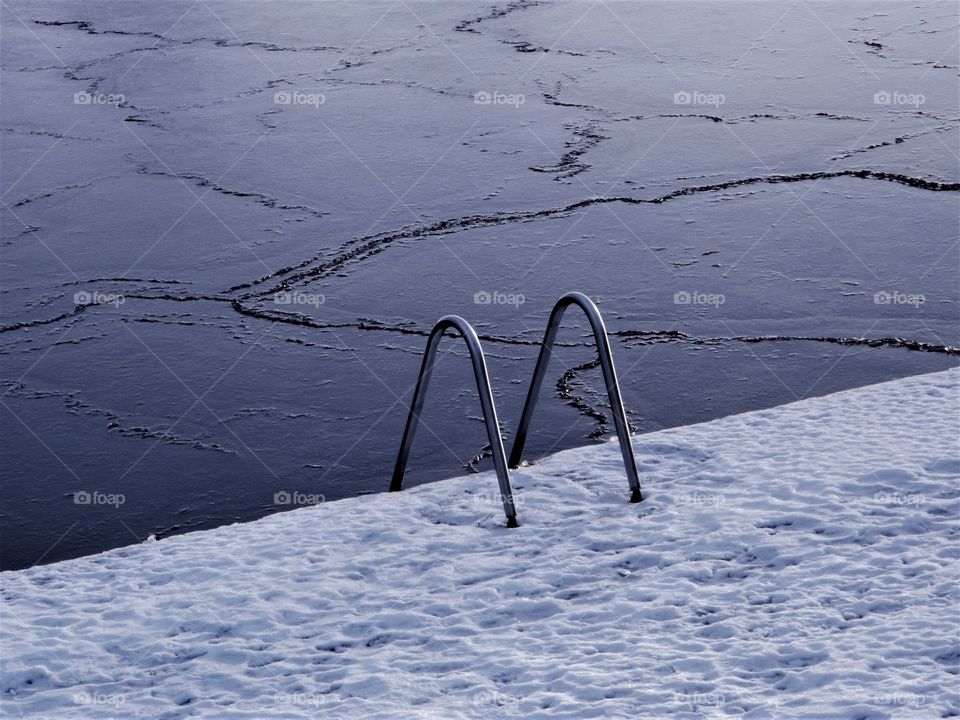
(227, 231)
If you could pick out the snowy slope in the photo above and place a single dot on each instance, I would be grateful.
(796, 562)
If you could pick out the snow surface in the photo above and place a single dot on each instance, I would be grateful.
(795, 562)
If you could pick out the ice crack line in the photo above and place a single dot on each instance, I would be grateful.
(570, 163)
(367, 246)
(88, 27)
(361, 248)
(656, 336)
(495, 13)
(258, 197)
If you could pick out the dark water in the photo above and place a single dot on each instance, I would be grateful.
(212, 296)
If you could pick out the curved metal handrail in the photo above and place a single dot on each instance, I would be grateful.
(609, 377)
(486, 402)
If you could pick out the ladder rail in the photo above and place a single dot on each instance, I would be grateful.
(609, 377)
(466, 331)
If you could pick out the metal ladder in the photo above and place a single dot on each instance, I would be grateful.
(489, 408)
(494, 437)
(609, 378)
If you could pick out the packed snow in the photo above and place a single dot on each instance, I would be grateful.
(799, 562)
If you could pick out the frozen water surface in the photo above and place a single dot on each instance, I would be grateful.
(762, 197)
(796, 563)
